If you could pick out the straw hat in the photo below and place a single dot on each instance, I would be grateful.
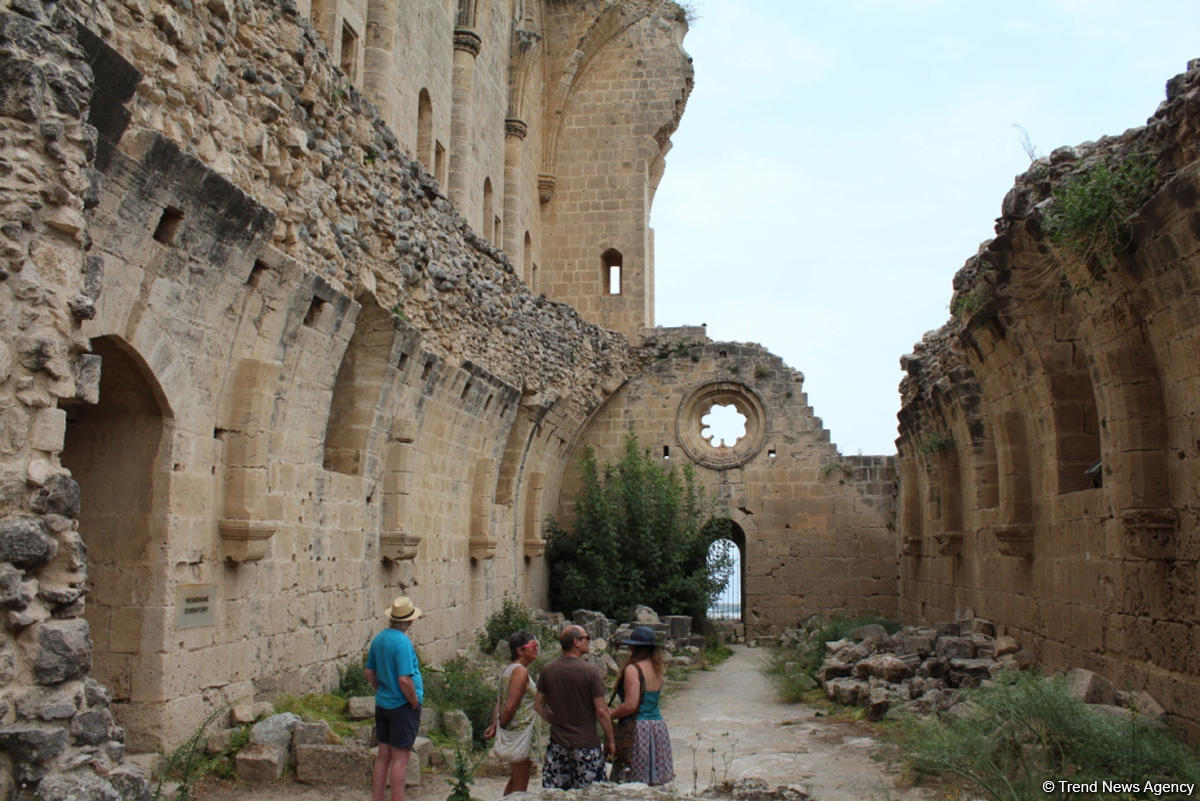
(403, 610)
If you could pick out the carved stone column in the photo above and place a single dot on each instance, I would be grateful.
(466, 47)
(515, 132)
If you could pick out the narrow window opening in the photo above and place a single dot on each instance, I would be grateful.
(439, 163)
(485, 228)
(425, 130)
(168, 225)
(770, 453)
(466, 390)
(256, 273)
(722, 353)
(504, 410)
(487, 403)
(314, 312)
(666, 451)
(612, 261)
(403, 361)
(349, 59)
(427, 370)
(527, 259)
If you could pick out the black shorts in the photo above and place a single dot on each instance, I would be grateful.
(397, 727)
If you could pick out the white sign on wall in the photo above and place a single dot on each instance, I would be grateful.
(195, 606)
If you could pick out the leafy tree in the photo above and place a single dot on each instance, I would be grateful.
(641, 535)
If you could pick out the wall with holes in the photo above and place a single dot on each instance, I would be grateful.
(260, 375)
(818, 525)
(546, 124)
(1049, 442)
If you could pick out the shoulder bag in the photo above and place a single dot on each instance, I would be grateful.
(511, 746)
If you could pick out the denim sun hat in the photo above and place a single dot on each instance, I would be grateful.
(642, 635)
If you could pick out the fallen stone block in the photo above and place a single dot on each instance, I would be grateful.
(261, 763)
(885, 666)
(871, 631)
(955, 648)
(314, 733)
(275, 730)
(1091, 688)
(847, 691)
(918, 642)
(1006, 645)
(832, 669)
(361, 707)
(1142, 702)
(333, 764)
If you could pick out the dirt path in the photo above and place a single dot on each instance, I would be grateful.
(725, 724)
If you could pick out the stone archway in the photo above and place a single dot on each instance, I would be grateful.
(731, 603)
(113, 449)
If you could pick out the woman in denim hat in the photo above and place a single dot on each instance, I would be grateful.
(640, 684)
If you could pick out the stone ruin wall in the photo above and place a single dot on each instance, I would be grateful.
(546, 123)
(256, 357)
(815, 528)
(1048, 367)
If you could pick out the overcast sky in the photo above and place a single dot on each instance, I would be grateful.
(839, 160)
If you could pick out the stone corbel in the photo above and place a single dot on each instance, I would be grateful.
(482, 543)
(910, 546)
(246, 540)
(949, 543)
(1149, 533)
(252, 513)
(534, 548)
(396, 546)
(1015, 539)
(546, 185)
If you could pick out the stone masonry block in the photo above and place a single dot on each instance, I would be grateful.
(261, 763)
(333, 764)
(49, 427)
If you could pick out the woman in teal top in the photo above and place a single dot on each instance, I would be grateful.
(640, 685)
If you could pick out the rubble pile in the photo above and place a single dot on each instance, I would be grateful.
(922, 670)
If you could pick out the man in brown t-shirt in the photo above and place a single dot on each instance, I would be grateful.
(570, 695)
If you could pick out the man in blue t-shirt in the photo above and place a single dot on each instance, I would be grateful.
(394, 672)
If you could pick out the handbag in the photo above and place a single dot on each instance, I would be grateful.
(513, 746)
(510, 745)
(624, 732)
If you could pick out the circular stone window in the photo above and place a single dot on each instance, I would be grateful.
(722, 424)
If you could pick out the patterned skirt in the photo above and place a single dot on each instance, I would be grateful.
(652, 762)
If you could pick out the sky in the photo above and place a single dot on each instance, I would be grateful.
(839, 160)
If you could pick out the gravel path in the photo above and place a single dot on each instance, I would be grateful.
(725, 724)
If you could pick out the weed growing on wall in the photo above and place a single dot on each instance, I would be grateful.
(1025, 730)
(641, 535)
(1089, 217)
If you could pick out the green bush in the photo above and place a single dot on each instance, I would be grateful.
(458, 684)
(641, 536)
(352, 681)
(1024, 730)
(511, 617)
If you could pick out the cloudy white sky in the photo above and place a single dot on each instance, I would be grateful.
(840, 159)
